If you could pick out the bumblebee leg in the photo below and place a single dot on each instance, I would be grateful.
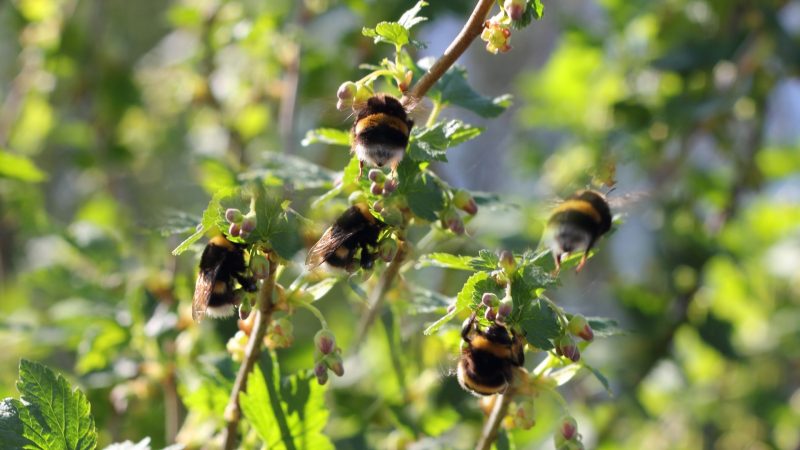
(360, 168)
(467, 327)
(583, 262)
(557, 261)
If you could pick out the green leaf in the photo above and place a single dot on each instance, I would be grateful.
(18, 167)
(454, 89)
(289, 415)
(213, 217)
(424, 196)
(431, 143)
(275, 226)
(534, 10)
(446, 260)
(540, 325)
(469, 297)
(562, 376)
(426, 301)
(388, 32)
(11, 427)
(486, 260)
(54, 416)
(330, 136)
(600, 377)
(410, 18)
(318, 290)
(605, 327)
(280, 170)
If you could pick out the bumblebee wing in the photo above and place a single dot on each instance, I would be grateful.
(332, 239)
(203, 289)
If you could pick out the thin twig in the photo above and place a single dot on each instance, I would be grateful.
(264, 314)
(489, 433)
(471, 30)
(378, 294)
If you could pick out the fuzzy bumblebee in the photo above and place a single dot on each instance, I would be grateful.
(356, 229)
(222, 262)
(490, 358)
(380, 132)
(576, 224)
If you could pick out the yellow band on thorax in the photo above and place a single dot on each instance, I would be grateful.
(376, 119)
(581, 206)
(220, 241)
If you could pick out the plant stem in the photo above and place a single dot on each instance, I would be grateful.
(377, 296)
(471, 30)
(264, 314)
(489, 433)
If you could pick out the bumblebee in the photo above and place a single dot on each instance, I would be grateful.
(490, 358)
(222, 262)
(356, 228)
(576, 224)
(380, 132)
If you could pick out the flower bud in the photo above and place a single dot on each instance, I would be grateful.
(334, 361)
(363, 94)
(248, 224)
(259, 266)
(376, 189)
(233, 215)
(347, 91)
(406, 82)
(280, 334)
(464, 201)
(507, 262)
(490, 314)
(234, 229)
(357, 198)
(376, 175)
(515, 8)
(578, 326)
(246, 325)
(456, 225)
(568, 428)
(524, 415)
(377, 206)
(321, 372)
(566, 347)
(387, 249)
(392, 216)
(244, 310)
(390, 186)
(504, 310)
(325, 341)
(490, 300)
(342, 105)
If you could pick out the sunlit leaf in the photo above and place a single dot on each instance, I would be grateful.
(286, 415)
(19, 167)
(52, 415)
(331, 136)
(446, 260)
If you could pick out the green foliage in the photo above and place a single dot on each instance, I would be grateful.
(286, 415)
(50, 414)
(454, 89)
(431, 143)
(18, 167)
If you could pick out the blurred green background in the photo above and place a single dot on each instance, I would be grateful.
(118, 120)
